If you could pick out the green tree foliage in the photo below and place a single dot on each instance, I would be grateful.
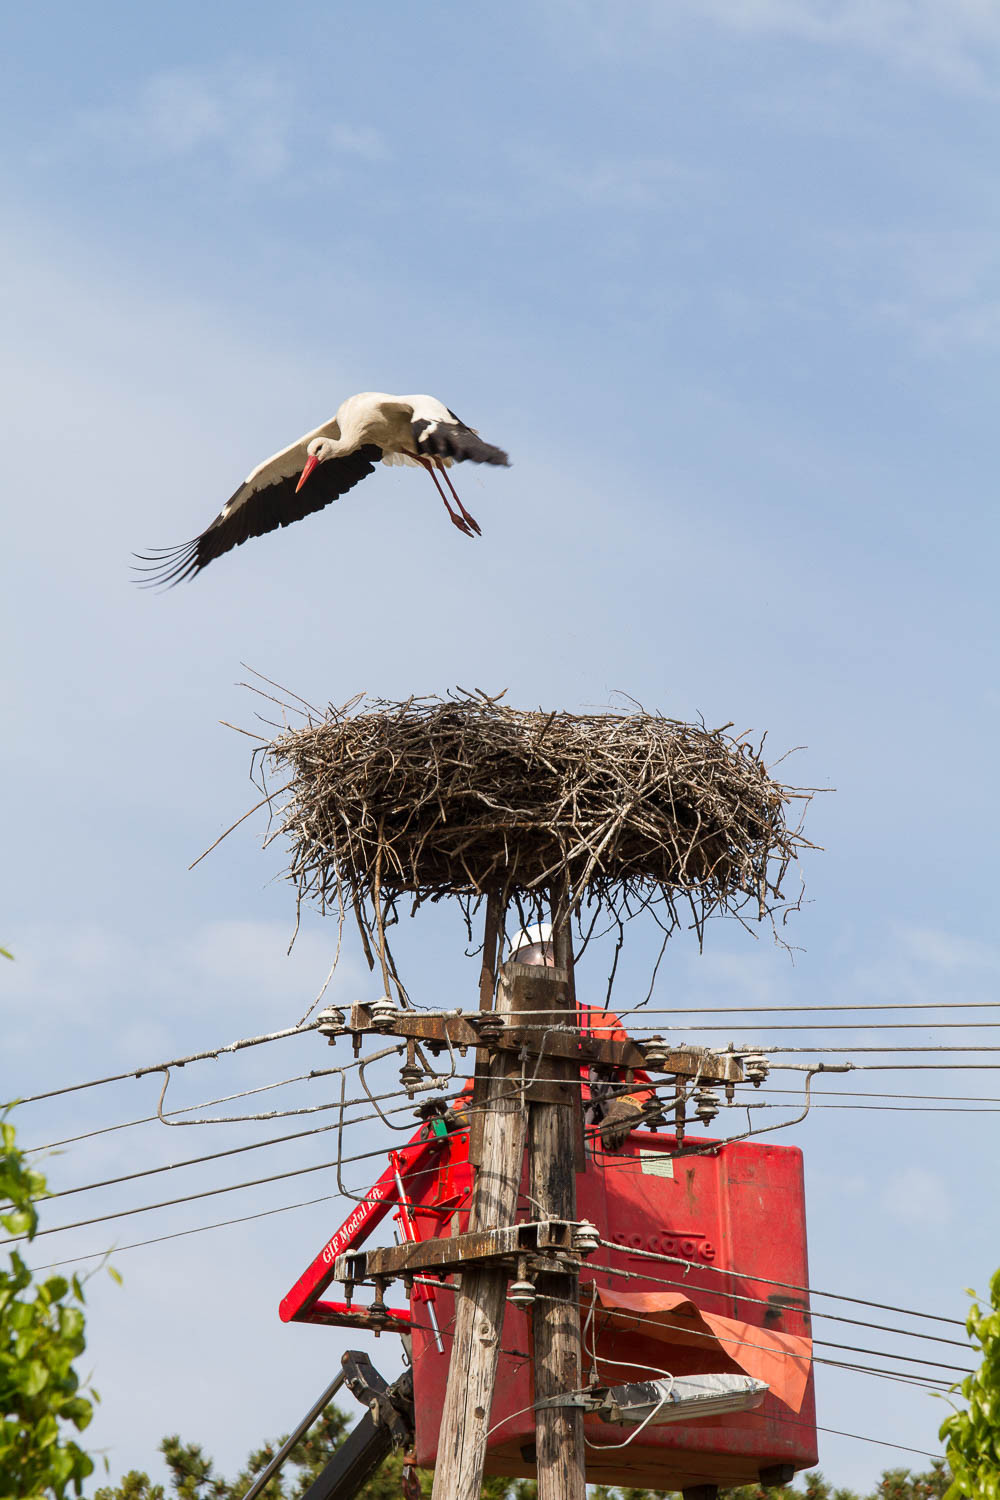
(41, 1334)
(900, 1484)
(895, 1484)
(193, 1477)
(972, 1435)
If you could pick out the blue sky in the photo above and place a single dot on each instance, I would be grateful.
(723, 279)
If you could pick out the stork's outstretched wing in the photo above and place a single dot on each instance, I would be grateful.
(263, 502)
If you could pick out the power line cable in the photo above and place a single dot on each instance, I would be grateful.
(194, 1161)
(745, 1046)
(955, 1104)
(880, 1442)
(840, 1026)
(881, 1094)
(340, 1125)
(145, 1208)
(790, 1286)
(396, 1093)
(368, 1155)
(330, 1197)
(972, 1047)
(255, 1041)
(908, 1067)
(191, 1161)
(299, 1134)
(911, 1359)
(906, 1377)
(176, 1062)
(812, 1312)
(918, 1382)
(187, 1109)
(951, 1099)
(610, 1244)
(782, 1418)
(274, 1140)
(906, 1109)
(179, 1234)
(740, 1010)
(277, 1114)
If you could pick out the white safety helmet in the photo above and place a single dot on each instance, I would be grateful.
(532, 945)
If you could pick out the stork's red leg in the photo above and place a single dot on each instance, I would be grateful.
(471, 519)
(456, 519)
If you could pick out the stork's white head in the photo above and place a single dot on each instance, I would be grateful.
(320, 449)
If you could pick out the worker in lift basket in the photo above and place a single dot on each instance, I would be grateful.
(607, 1104)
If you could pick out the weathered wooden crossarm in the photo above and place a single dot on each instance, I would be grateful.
(551, 1239)
(685, 1062)
(440, 1028)
(426, 1026)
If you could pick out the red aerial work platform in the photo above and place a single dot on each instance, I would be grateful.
(705, 1270)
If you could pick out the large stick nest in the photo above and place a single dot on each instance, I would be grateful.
(463, 796)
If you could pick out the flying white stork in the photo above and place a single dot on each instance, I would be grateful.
(325, 464)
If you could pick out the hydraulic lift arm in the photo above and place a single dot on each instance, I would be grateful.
(387, 1424)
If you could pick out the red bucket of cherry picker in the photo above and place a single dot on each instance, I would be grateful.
(702, 1270)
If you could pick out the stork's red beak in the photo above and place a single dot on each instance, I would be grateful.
(310, 464)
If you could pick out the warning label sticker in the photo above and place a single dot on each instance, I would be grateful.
(656, 1163)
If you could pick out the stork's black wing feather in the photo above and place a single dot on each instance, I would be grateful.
(455, 441)
(262, 510)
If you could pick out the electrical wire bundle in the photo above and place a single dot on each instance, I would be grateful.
(927, 1367)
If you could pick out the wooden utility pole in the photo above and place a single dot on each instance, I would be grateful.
(529, 1054)
(554, 1148)
(497, 1148)
(481, 1297)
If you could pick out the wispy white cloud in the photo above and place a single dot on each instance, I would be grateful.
(541, 181)
(606, 181)
(952, 41)
(950, 951)
(919, 1198)
(98, 985)
(939, 286)
(841, 1181)
(946, 39)
(238, 115)
(923, 965)
(362, 141)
